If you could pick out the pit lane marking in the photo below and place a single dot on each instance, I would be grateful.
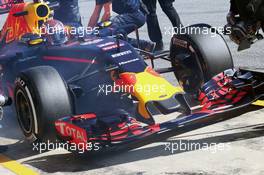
(15, 167)
(259, 103)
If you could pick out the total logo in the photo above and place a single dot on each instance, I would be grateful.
(69, 130)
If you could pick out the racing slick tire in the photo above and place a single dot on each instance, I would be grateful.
(41, 97)
(198, 54)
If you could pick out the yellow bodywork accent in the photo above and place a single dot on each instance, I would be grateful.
(150, 87)
(33, 18)
(36, 41)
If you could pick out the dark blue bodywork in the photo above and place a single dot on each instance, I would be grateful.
(83, 65)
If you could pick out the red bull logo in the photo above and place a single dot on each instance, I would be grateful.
(14, 27)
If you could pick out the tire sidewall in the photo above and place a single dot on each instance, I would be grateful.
(22, 85)
(49, 101)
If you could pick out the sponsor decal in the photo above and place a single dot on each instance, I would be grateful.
(112, 47)
(27, 58)
(69, 130)
(20, 82)
(96, 41)
(15, 27)
(129, 61)
(180, 42)
(106, 44)
(85, 116)
(127, 52)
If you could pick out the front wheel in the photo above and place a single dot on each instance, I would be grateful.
(41, 98)
(199, 55)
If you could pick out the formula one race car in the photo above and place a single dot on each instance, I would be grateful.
(100, 91)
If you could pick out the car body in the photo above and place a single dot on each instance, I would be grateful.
(92, 90)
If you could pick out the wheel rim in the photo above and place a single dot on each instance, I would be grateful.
(24, 112)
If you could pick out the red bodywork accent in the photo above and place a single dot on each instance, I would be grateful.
(77, 60)
(74, 134)
(129, 129)
(15, 27)
(126, 81)
(152, 72)
(155, 128)
(84, 116)
(10, 89)
(223, 94)
(115, 133)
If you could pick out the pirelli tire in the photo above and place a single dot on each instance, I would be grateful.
(41, 97)
(199, 54)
